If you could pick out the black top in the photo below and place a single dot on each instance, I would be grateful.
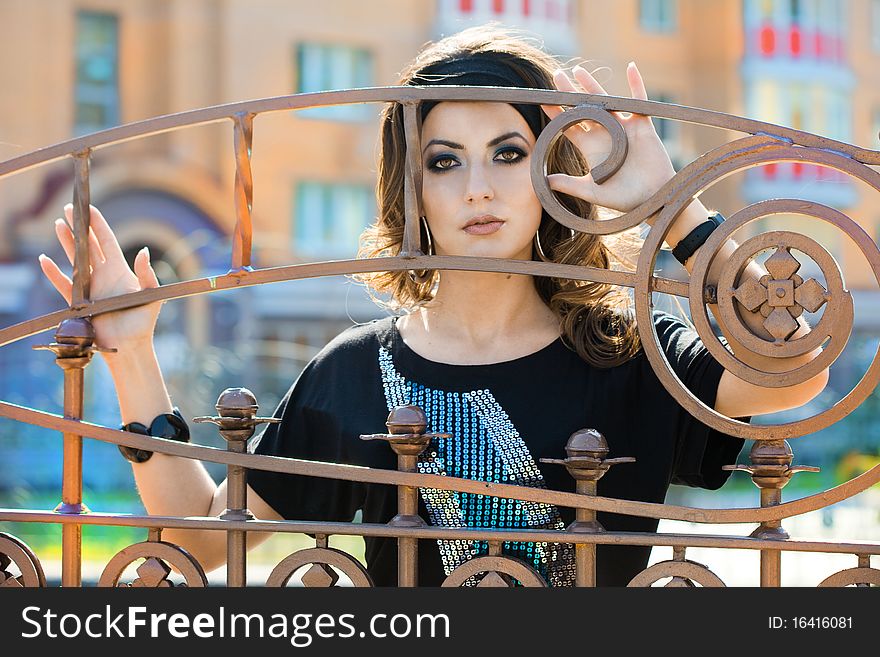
(503, 418)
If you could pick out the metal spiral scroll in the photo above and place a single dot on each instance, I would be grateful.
(499, 572)
(154, 571)
(320, 574)
(600, 173)
(776, 301)
(683, 573)
(16, 551)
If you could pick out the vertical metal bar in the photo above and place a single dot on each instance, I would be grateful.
(585, 553)
(71, 485)
(237, 420)
(412, 183)
(73, 349)
(244, 191)
(81, 220)
(771, 560)
(408, 506)
(236, 503)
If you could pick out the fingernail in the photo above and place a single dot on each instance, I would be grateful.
(631, 64)
(41, 256)
(68, 206)
(146, 249)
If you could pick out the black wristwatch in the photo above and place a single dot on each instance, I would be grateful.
(697, 237)
(169, 425)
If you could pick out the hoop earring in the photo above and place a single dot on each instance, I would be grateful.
(540, 251)
(537, 243)
(423, 275)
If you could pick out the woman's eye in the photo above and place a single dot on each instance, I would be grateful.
(442, 162)
(509, 155)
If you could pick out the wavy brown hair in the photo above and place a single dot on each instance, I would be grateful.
(595, 319)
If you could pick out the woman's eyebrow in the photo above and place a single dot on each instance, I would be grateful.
(455, 145)
(442, 142)
(505, 136)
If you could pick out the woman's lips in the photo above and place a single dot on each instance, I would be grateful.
(484, 228)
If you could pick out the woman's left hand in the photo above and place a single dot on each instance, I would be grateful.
(647, 166)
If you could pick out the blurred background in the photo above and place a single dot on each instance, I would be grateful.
(72, 67)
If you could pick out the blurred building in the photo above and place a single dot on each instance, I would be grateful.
(72, 67)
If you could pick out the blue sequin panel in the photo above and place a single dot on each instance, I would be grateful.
(485, 446)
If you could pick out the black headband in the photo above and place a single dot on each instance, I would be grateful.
(478, 71)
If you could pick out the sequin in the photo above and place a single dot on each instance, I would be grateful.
(485, 446)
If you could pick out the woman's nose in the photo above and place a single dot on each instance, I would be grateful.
(479, 185)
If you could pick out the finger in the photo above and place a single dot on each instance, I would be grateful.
(576, 132)
(65, 238)
(105, 235)
(58, 278)
(578, 186)
(552, 111)
(636, 83)
(144, 270)
(96, 255)
(587, 81)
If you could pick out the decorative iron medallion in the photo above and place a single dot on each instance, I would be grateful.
(775, 302)
(499, 572)
(778, 298)
(853, 577)
(320, 574)
(16, 551)
(683, 573)
(154, 571)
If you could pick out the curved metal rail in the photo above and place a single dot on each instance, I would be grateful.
(764, 143)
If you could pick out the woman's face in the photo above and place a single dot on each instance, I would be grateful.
(476, 189)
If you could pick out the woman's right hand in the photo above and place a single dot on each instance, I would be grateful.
(110, 276)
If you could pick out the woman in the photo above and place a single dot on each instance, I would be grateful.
(509, 365)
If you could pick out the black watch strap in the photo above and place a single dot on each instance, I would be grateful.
(697, 237)
(168, 425)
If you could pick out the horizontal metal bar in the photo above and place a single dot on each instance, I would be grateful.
(241, 279)
(168, 122)
(441, 482)
(443, 533)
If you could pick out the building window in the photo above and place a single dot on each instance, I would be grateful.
(329, 217)
(658, 15)
(331, 67)
(96, 89)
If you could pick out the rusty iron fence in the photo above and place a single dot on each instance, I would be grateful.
(779, 295)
